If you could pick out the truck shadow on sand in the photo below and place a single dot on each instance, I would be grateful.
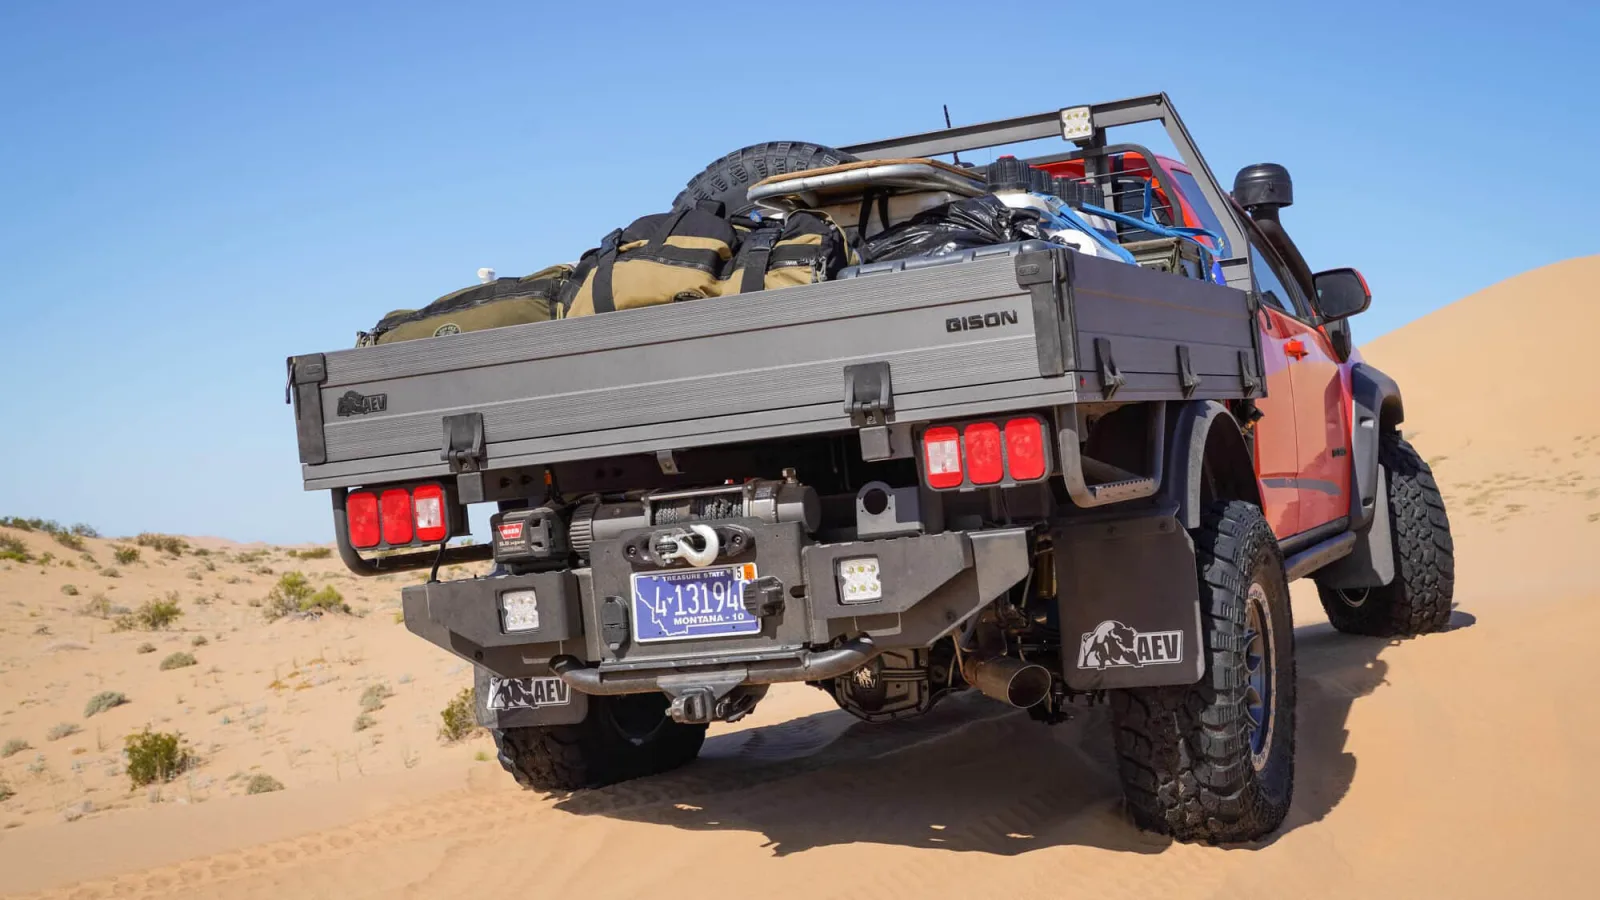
(973, 775)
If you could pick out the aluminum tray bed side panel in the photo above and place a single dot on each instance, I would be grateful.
(1144, 316)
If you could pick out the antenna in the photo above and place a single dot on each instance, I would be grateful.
(953, 153)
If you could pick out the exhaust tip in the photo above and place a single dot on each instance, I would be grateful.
(1013, 682)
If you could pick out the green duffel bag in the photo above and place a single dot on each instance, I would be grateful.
(802, 248)
(659, 258)
(693, 253)
(502, 302)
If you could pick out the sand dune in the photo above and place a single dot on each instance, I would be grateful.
(1452, 765)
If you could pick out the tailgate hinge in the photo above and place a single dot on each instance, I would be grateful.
(306, 376)
(869, 402)
(463, 443)
(1247, 373)
(1110, 376)
(1187, 379)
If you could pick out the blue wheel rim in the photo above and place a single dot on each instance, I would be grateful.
(1259, 675)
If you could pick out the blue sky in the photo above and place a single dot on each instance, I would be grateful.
(190, 192)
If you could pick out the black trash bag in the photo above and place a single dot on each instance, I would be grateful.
(953, 227)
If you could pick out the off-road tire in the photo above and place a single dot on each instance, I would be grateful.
(1418, 600)
(598, 751)
(1185, 754)
(728, 179)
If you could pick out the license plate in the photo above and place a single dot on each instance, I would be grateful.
(692, 603)
(527, 693)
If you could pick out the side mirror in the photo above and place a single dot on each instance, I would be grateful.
(1341, 293)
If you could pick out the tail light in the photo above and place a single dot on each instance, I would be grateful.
(395, 508)
(983, 453)
(398, 516)
(428, 504)
(361, 515)
(941, 454)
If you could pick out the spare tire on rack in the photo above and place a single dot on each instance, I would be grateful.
(726, 180)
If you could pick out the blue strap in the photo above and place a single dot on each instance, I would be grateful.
(1067, 213)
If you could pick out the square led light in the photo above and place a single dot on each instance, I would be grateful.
(1076, 123)
(858, 580)
(519, 610)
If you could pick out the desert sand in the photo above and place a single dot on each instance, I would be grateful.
(1450, 765)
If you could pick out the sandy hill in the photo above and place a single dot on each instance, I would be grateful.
(1408, 776)
(1503, 398)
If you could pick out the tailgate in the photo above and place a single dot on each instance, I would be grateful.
(958, 339)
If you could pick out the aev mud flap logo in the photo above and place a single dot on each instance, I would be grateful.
(1113, 645)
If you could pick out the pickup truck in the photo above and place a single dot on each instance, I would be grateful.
(1041, 474)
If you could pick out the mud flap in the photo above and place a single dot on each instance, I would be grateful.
(519, 702)
(1129, 603)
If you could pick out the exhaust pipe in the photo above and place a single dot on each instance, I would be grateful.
(1011, 681)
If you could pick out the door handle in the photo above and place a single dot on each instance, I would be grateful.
(1296, 349)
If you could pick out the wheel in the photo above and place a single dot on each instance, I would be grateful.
(727, 179)
(1417, 601)
(622, 738)
(1214, 761)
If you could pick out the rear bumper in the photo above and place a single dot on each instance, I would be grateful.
(931, 583)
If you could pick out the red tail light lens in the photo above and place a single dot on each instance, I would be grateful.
(396, 515)
(985, 461)
(1024, 449)
(941, 457)
(361, 516)
(428, 502)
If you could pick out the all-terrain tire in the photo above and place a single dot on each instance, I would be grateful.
(1188, 764)
(622, 738)
(1418, 600)
(727, 180)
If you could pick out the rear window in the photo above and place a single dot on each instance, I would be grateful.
(1208, 217)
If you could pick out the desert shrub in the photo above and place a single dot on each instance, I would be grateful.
(111, 572)
(17, 522)
(179, 660)
(372, 698)
(166, 543)
(125, 555)
(145, 648)
(251, 556)
(71, 590)
(457, 717)
(83, 529)
(47, 558)
(199, 640)
(312, 553)
(103, 701)
(13, 747)
(293, 594)
(201, 551)
(263, 784)
(152, 615)
(62, 730)
(69, 540)
(6, 793)
(13, 548)
(42, 630)
(364, 721)
(98, 606)
(155, 756)
(193, 575)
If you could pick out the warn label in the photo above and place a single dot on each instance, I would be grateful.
(528, 693)
(1112, 645)
(511, 531)
(987, 320)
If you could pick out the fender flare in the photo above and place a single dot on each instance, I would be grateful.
(1376, 407)
(1199, 425)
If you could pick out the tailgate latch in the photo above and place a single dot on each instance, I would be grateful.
(463, 443)
(869, 401)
